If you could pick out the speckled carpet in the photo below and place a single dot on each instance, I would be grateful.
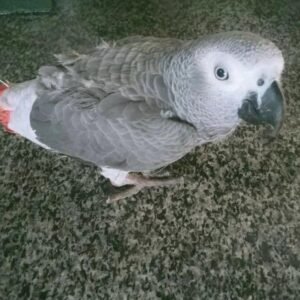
(233, 230)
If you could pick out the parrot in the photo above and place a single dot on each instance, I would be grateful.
(139, 104)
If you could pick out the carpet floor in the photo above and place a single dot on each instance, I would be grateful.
(231, 232)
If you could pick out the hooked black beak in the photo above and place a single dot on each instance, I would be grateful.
(271, 110)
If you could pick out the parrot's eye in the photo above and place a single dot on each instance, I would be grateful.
(221, 74)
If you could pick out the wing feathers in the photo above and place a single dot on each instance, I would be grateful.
(105, 107)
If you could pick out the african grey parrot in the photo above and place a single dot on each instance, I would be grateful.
(141, 103)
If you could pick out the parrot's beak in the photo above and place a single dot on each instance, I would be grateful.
(271, 110)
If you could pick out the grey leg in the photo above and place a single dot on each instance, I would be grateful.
(138, 182)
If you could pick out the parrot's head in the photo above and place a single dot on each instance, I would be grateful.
(234, 76)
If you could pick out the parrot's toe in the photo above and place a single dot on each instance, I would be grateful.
(129, 191)
(157, 173)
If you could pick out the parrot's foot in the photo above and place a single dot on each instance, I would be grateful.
(137, 182)
(157, 173)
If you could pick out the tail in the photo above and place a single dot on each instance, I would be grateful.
(5, 112)
(16, 103)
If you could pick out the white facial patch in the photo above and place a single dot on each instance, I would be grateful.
(229, 64)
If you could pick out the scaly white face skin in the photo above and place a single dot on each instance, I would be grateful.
(237, 81)
(224, 75)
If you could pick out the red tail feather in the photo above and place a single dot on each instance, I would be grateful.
(4, 113)
(3, 87)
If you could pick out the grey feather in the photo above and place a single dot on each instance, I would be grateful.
(105, 107)
(114, 132)
(142, 103)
